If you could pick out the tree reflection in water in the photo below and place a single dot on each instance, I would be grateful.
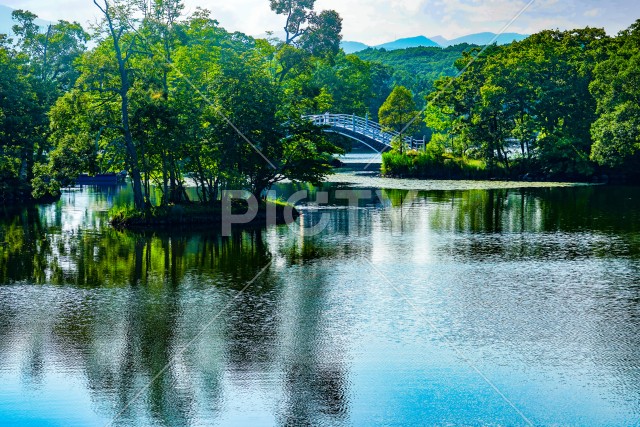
(118, 307)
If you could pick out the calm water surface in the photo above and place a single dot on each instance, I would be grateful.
(458, 307)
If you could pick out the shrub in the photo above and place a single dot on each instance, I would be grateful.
(433, 163)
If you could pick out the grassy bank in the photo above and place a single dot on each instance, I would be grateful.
(197, 215)
(421, 164)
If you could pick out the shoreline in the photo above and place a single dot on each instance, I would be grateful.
(13, 203)
(361, 178)
(197, 216)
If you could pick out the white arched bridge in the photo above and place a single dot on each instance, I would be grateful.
(362, 130)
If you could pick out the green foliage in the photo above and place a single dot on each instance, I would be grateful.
(616, 136)
(427, 164)
(399, 111)
(436, 148)
(72, 127)
(398, 145)
(297, 13)
(527, 103)
(322, 39)
(616, 87)
(34, 71)
(202, 103)
(43, 185)
(316, 33)
(51, 52)
(416, 68)
(175, 98)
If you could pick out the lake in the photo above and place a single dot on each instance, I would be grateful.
(461, 304)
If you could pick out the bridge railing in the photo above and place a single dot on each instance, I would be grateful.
(362, 126)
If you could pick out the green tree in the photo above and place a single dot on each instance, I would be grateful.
(47, 60)
(471, 107)
(51, 53)
(317, 33)
(399, 111)
(322, 38)
(298, 13)
(18, 108)
(74, 124)
(535, 92)
(245, 136)
(116, 30)
(49, 57)
(616, 87)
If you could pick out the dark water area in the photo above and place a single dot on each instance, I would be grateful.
(502, 306)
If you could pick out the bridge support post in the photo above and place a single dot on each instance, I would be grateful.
(366, 123)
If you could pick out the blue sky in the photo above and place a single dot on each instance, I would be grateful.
(377, 21)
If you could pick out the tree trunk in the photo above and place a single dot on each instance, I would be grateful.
(203, 180)
(165, 180)
(132, 155)
(174, 196)
(506, 158)
(130, 148)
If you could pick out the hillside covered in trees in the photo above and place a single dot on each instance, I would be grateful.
(417, 68)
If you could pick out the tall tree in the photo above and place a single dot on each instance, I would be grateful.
(317, 33)
(298, 13)
(18, 108)
(161, 25)
(49, 55)
(323, 36)
(52, 52)
(116, 26)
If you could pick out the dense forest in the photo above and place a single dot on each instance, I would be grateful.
(168, 97)
(417, 68)
(557, 105)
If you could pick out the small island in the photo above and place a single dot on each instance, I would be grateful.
(205, 216)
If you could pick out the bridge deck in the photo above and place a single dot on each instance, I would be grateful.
(362, 129)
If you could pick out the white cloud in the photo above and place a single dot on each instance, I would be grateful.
(377, 21)
(592, 13)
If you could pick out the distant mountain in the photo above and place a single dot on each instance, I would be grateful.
(420, 41)
(352, 47)
(481, 39)
(440, 40)
(6, 22)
